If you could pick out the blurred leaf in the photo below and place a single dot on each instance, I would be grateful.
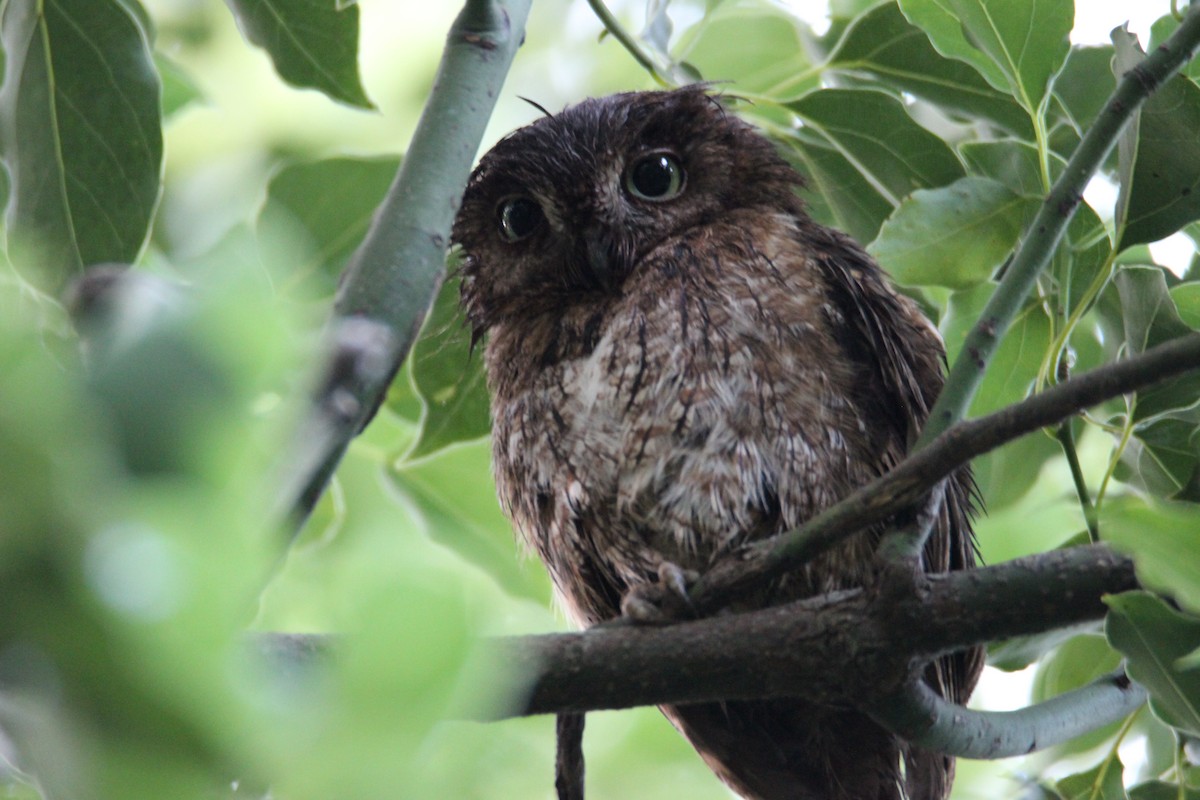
(453, 493)
(1159, 157)
(657, 32)
(331, 202)
(81, 135)
(1153, 636)
(448, 378)
(1186, 297)
(1077, 662)
(178, 89)
(313, 43)
(1017, 46)
(1164, 540)
(955, 236)
(720, 49)
(886, 45)
(1101, 782)
(1161, 790)
(1016, 654)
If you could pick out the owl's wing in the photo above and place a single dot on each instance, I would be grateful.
(888, 333)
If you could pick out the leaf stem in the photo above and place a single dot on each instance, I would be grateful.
(1066, 438)
(627, 40)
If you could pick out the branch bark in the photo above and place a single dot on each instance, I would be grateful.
(849, 647)
(920, 716)
(395, 272)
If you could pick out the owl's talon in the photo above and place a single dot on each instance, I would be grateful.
(663, 601)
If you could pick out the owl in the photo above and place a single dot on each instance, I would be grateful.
(681, 363)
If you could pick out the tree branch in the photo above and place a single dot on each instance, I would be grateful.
(398, 267)
(920, 716)
(860, 647)
(838, 648)
(917, 474)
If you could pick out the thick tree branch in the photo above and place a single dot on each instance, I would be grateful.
(840, 648)
(396, 270)
(917, 474)
(861, 647)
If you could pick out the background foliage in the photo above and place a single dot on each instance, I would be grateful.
(137, 454)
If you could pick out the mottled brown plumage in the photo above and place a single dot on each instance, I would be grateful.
(681, 361)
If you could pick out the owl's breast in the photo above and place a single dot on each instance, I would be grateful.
(707, 405)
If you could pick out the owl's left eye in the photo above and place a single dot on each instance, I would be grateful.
(519, 218)
(657, 176)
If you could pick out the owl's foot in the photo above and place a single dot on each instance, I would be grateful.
(663, 601)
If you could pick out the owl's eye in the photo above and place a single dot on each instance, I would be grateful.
(657, 176)
(519, 218)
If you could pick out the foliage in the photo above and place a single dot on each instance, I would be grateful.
(136, 478)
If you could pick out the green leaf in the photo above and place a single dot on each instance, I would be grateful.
(886, 45)
(178, 89)
(1017, 45)
(81, 135)
(328, 205)
(1186, 297)
(448, 378)
(874, 132)
(1161, 790)
(455, 497)
(1085, 84)
(1153, 637)
(1150, 318)
(1164, 540)
(776, 65)
(1018, 653)
(955, 236)
(1077, 662)
(1159, 157)
(863, 153)
(1006, 474)
(312, 43)
(1013, 162)
(1102, 782)
(1080, 259)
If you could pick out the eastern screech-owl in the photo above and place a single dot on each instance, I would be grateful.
(681, 362)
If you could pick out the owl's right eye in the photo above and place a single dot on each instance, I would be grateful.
(519, 218)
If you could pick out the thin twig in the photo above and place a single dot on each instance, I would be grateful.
(618, 32)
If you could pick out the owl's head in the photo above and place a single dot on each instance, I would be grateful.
(568, 206)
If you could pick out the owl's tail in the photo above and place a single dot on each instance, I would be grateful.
(791, 750)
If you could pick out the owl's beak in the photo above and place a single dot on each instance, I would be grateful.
(602, 259)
